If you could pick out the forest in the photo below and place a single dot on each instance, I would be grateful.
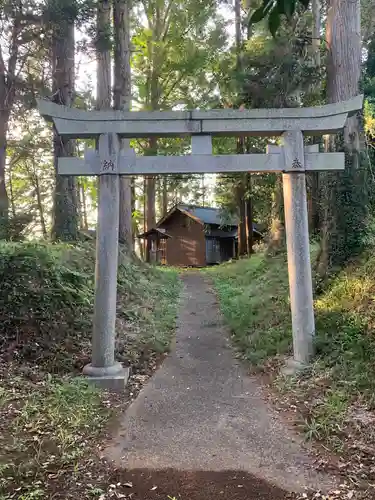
(151, 55)
(171, 55)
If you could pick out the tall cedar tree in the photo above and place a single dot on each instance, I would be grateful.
(122, 101)
(344, 199)
(65, 200)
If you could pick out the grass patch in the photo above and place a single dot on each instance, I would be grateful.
(335, 398)
(254, 299)
(50, 420)
(47, 301)
(149, 303)
(51, 429)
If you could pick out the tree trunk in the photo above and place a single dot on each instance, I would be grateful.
(159, 195)
(276, 240)
(241, 204)
(133, 207)
(165, 196)
(249, 206)
(238, 31)
(313, 202)
(150, 187)
(103, 55)
(82, 211)
(150, 196)
(39, 204)
(249, 216)
(203, 191)
(150, 211)
(79, 205)
(8, 71)
(122, 101)
(11, 194)
(245, 227)
(84, 208)
(145, 216)
(313, 177)
(242, 230)
(4, 200)
(344, 193)
(65, 212)
(152, 150)
(316, 28)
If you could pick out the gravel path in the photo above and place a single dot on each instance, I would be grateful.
(201, 416)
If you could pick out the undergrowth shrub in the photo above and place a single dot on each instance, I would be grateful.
(44, 305)
(47, 300)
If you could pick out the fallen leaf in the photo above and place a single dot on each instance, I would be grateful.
(128, 485)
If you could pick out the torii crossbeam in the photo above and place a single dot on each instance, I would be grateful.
(292, 159)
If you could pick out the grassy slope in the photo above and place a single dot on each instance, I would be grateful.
(49, 422)
(254, 299)
(335, 398)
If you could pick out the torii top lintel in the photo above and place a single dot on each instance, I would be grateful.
(76, 123)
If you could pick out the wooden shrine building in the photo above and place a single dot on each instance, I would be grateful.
(194, 236)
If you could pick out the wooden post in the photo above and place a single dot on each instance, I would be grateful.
(297, 237)
(103, 368)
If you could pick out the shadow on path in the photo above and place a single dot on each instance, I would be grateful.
(198, 485)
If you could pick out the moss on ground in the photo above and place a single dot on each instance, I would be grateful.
(333, 400)
(50, 420)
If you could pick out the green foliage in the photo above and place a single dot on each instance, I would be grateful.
(69, 10)
(346, 193)
(47, 302)
(262, 185)
(149, 296)
(277, 72)
(171, 63)
(268, 73)
(368, 84)
(44, 304)
(273, 10)
(177, 46)
(29, 174)
(254, 299)
(345, 344)
(49, 432)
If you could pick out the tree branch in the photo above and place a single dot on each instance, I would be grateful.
(167, 20)
(172, 87)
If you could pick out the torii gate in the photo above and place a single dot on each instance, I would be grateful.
(293, 159)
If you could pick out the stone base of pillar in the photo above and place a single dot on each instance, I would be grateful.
(293, 367)
(111, 378)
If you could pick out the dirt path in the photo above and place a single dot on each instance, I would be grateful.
(201, 417)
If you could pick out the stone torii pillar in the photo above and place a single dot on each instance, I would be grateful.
(298, 249)
(103, 369)
(292, 153)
